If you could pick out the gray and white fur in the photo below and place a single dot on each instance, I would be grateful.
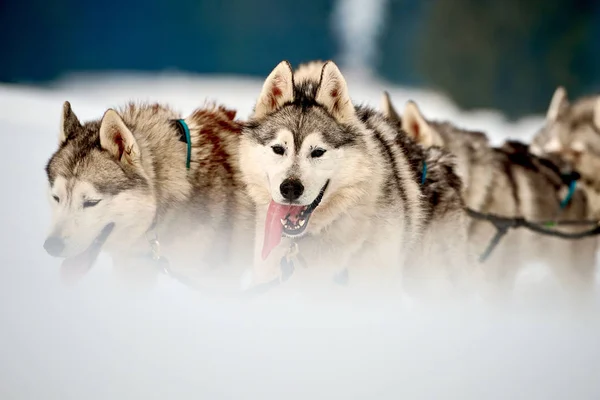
(571, 134)
(129, 169)
(375, 217)
(510, 181)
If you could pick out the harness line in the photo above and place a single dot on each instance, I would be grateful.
(186, 138)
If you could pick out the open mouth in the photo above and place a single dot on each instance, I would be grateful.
(289, 220)
(75, 267)
(296, 220)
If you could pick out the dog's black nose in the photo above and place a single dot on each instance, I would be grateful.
(54, 246)
(291, 189)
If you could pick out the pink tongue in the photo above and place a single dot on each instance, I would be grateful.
(74, 268)
(273, 226)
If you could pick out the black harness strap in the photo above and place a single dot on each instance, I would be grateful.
(503, 224)
(500, 232)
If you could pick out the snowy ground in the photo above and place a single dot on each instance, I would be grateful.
(99, 341)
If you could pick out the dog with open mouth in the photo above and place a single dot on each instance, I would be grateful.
(338, 183)
(142, 179)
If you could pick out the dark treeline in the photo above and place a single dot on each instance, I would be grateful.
(506, 54)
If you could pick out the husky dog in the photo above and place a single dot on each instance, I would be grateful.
(511, 182)
(141, 174)
(571, 133)
(574, 124)
(344, 185)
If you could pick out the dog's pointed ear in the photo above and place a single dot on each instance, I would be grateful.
(69, 124)
(387, 107)
(333, 94)
(416, 125)
(277, 90)
(118, 140)
(558, 103)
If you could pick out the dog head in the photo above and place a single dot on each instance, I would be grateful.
(548, 138)
(299, 150)
(571, 132)
(100, 193)
(459, 142)
(412, 122)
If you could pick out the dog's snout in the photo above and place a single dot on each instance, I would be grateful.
(54, 246)
(291, 189)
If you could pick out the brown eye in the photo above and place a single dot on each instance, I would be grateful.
(279, 150)
(316, 153)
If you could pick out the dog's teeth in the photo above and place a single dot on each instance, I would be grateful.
(302, 222)
(282, 221)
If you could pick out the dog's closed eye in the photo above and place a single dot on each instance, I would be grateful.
(90, 203)
(56, 198)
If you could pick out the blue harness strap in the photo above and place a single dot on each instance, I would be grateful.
(187, 139)
(565, 202)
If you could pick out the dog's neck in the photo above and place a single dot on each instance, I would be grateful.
(193, 203)
(474, 166)
(164, 161)
(213, 144)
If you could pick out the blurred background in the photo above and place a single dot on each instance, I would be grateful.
(101, 340)
(508, 55)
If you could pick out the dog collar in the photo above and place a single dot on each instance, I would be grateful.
(424, 173)
(184, 136)
(565, 202)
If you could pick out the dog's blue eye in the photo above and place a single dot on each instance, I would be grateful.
(316, 153)
(90, 203)
(56, 199)
(279, 150)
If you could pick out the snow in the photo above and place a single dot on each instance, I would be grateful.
(100, 340)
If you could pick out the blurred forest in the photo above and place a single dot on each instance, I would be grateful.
(506, 54)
